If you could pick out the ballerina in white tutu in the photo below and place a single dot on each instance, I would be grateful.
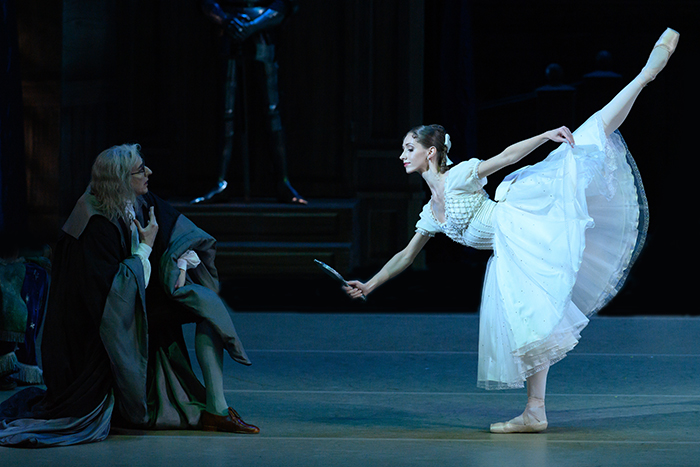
(564, 234)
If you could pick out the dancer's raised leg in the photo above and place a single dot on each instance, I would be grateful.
(615, 112)
(534, 418)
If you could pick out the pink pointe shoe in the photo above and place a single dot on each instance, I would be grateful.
(662, 51)
(533, 420)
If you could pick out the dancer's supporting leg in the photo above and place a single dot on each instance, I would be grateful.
(534, 418)
(615, 112)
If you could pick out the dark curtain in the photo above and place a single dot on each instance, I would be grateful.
(450, 94)
(13, 193)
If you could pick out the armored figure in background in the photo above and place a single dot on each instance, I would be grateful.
(248, 29)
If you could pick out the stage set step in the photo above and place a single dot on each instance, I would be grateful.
(271, 239)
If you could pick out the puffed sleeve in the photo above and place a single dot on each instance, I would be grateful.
(464, 177)
(188, 260)
(427, 225)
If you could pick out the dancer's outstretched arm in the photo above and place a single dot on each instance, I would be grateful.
(395, 266)
(517, 151)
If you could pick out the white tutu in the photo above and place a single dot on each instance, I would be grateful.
(566, 232)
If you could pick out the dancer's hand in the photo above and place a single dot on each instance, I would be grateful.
(148, 234)
(561, 135)
(355, 289)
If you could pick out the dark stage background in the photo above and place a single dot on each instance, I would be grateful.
(355, 76)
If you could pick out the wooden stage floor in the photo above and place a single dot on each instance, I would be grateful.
(399, 390)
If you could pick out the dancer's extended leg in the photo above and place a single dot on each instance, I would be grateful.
(534, 418)
(615, 112)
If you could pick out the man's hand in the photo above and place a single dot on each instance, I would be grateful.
(148, 234)
(180, 279)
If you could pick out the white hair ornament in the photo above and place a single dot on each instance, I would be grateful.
(448, 146)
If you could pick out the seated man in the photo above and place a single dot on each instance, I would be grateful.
(113, 349)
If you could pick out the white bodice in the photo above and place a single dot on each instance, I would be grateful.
(468, 220)
(468, 209)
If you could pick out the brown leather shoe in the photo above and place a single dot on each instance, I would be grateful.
(230, 423)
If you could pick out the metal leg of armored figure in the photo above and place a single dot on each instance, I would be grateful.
(265, 53)
(229, 121)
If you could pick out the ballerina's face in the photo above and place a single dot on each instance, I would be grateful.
(139, 178)
(414, 155)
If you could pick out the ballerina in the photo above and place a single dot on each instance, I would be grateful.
(564, 234)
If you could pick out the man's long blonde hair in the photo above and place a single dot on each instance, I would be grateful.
(111, 180)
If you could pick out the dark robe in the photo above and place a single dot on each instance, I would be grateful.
(111, 350)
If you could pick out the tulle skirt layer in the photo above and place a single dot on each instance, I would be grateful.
(567, 231)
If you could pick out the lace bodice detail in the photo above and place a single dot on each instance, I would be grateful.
(459, 210)
(468, 209)
(468, 220)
